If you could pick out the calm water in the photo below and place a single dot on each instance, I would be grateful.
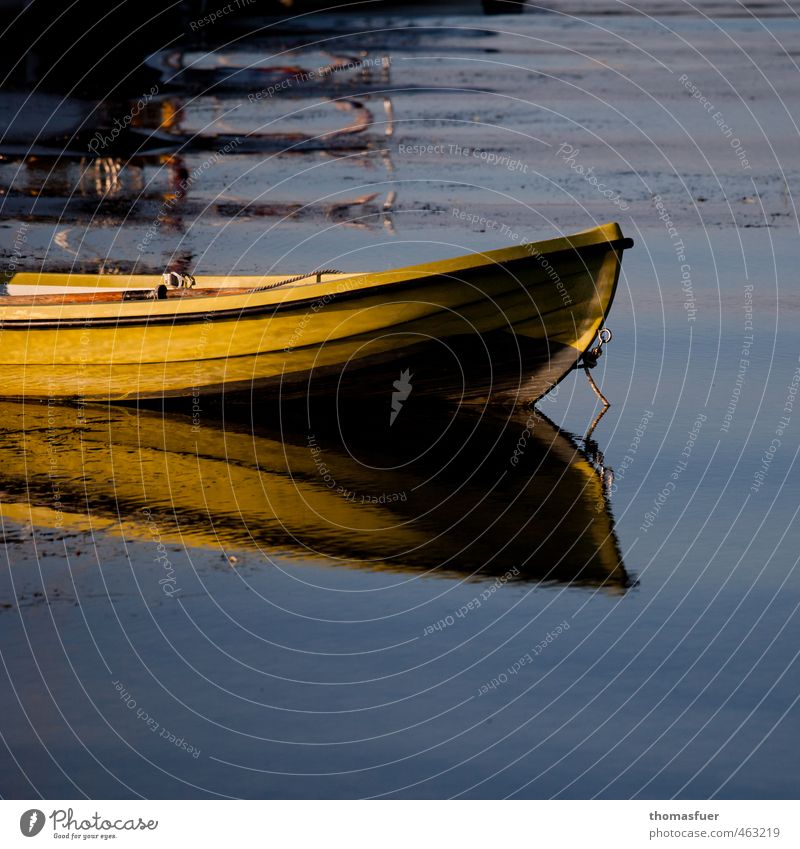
(266, 607)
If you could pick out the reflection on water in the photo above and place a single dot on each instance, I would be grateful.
(441, 491)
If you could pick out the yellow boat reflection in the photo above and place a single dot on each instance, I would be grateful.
(444, 493)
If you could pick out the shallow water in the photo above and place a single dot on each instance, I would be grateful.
(291, 640)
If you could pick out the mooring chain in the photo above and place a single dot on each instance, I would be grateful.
(593, 452)
(590, 358)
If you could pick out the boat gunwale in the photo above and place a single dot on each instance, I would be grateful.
(406, 277)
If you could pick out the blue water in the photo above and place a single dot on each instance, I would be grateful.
(291, 675)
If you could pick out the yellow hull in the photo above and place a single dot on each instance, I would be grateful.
(512, 322)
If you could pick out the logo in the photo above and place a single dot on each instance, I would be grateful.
(31, 822)
(401, 393)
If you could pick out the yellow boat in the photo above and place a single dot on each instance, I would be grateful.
(504, 325)
(462, 494)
